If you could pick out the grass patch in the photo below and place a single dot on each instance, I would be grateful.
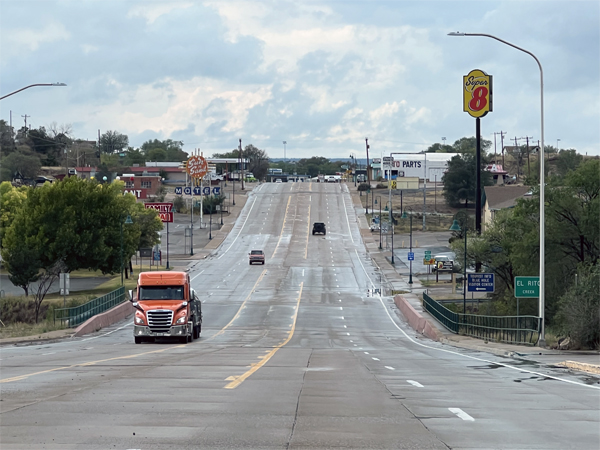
(20, 329)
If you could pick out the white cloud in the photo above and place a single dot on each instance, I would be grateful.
(23, 40)
(152, 11)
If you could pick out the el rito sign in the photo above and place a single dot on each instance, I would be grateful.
(527, 287)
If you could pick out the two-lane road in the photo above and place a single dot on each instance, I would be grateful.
(297, 353)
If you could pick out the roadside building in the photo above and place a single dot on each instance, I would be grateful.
(431, 166)
(497, 198)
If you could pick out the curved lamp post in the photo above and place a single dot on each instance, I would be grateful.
(456, 227)
(404, 216)
(542, 340)
(127, 221)
(30, 86)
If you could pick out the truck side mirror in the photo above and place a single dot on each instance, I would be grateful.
(130, 295)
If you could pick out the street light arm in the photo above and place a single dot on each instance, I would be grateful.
(30, 86)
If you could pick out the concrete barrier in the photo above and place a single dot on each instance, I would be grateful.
(105, 319)
(415, 320)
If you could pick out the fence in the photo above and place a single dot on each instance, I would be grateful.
(71, 317)
(509, 329)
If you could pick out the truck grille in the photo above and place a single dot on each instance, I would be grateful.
(159, 320)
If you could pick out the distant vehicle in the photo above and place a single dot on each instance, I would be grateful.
(319, 227)
(256, 256)
(278, 180)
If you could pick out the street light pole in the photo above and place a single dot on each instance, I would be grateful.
(542, 270)
(404, 215)
(456, 227)
(30, 86)
(127, 221)
(380, 222)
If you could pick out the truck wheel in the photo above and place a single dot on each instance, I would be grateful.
(137, 339)
(263, 263)
(183, 339)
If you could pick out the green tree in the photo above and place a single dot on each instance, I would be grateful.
(578, 314)
(113, 142)
(11, 202)
(78, 222)
(460, 179)
(24, 161)
(258, 161)
(469, 145)
(440, 148)
(173, 150)
(23, 265)
(7, 139)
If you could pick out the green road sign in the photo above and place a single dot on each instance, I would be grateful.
(527, 287)
(427, 254)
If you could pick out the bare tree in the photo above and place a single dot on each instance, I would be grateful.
(45, 281)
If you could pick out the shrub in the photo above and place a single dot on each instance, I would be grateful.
(579, 309)
(19, 310)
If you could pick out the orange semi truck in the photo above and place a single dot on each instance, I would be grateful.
(166, 306)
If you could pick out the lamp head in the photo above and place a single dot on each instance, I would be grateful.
(128, 220)
(455, 226)
(404, 215)
(456, 33)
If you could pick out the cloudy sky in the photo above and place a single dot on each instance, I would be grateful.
(320, 75)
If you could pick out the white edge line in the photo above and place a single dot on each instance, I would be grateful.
(239, 232)
(460, 413)
(508, 366)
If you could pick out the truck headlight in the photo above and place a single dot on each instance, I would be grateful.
(182, 319)
(139, 320)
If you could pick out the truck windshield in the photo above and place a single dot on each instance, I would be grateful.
(161, 292)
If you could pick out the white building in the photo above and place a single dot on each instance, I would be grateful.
(430, 165)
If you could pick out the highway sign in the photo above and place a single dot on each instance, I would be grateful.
(178, 190)
(411, 256)
(427, 254)
(480, 282)
(527, 287)
(428, 262)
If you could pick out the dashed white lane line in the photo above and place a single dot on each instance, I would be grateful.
(366, 353)
(348, 334)
(375, 359)
(388, 367)
(460, 413)
(341, 308)
(44, 354)
(345, 326)
(415, 383)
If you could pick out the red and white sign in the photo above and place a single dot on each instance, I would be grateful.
(164, 210)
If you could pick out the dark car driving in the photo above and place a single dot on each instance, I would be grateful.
(319, 227)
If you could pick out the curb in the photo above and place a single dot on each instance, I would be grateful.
(582, 367)
(104, 319)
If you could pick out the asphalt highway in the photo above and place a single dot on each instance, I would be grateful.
(303, 352)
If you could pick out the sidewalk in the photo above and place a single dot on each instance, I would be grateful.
(406, 297)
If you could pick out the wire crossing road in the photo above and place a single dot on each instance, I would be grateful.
(297, 353)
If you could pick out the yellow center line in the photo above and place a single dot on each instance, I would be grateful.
(89, 363)
(242, 306)
(282, 226)
(236, 381)
(307, 234)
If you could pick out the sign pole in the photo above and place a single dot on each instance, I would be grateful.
(167, 245)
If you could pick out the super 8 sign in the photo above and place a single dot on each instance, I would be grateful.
(477, 93)
(164, 210)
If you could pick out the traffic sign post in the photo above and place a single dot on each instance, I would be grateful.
(481, 282)
(411, 256)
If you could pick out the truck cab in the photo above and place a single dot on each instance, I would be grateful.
(166, 306)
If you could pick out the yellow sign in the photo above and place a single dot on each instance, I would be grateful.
(477, 93)
(429, 262)
(392, 184)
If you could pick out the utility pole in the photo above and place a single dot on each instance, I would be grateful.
(25, 116)
(528, 163)
(502, 145)
(242, 163)
(284, 156)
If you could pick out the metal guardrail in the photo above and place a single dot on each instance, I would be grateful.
(509, 329)
(71, 317)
